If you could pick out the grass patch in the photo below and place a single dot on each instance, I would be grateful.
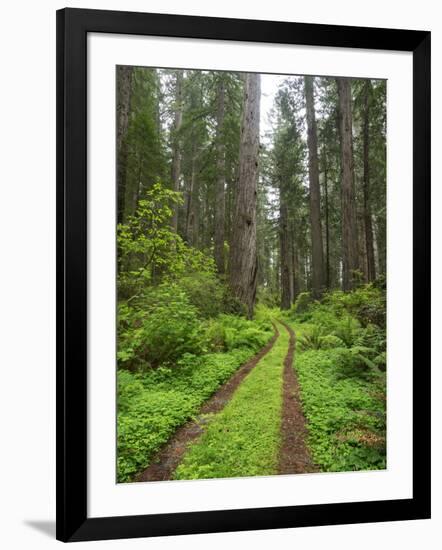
(244, 438)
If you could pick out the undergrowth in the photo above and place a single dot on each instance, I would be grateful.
(341, 361)
(154, 402)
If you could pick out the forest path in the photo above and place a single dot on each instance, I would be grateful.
(294, 456)
(243, 439)
(164, 464)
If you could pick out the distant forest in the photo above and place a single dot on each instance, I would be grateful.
(296, 205)
(251, 221)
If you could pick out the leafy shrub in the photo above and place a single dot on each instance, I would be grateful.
(310, 338)
(265, 315)
(215, 335)
(229, 332)
(250, 337)
(159, 329)
(231, 305)
(149, 251)
(302, 303)
(330, 341)
(128, 387)
(374, 337)
(355, 362)
(315, 337)
(205, 292)
(348, 331)
(268, 298)
(381, 361)
(366, 303)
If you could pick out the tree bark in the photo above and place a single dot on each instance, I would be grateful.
(242, 259)
(220, 205)
(188, 225)
(368, 224)
(350, 258)
(381, 243)
(176, 147)
(327, 226)
(286, 255)
(314, 192)
(194, 217)
(296, 277)
(124, 93)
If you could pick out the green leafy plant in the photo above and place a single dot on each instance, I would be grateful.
(346, 416)
(154, 402)
(160, 329)
(348, 331)
(302, 303)
(311, 338)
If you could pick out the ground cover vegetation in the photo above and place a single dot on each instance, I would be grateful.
(341, 366)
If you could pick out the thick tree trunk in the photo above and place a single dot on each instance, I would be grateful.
(243, 260)
(220, 204)
(368, 224)
(349, 223)
(327, 226)
(296, 276)
(176, 147)
(286, 255)
(131, 195)
(362, 257)
(381, 240)
(190, 200)
(194, 222)
(124, 92)
(315, 197)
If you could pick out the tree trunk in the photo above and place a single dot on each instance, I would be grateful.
(188, 225)
(349, 223)
(243, 261)
(296, 277)
(381, 242)
(176, 146)
(220, 205)
(368, 224)
(132, 190)
(327, 226)
(194, 221)
(286, 255)
(124, 92)
(315, 197)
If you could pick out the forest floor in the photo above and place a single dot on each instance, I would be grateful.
(253, 425)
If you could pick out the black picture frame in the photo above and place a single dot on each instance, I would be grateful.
(73, 25)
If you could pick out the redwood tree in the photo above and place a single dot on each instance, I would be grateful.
(368, 224)
(124, 92)
(243, 257)
(350, 260)
(314, 192)
(220, 206)
(176, 146)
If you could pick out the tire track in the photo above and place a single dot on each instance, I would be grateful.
(167, 459)
(294, 456)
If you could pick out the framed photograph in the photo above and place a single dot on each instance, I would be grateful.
(243, 274)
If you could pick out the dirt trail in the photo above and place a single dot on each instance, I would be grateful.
(294, 457)
(168, 458)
